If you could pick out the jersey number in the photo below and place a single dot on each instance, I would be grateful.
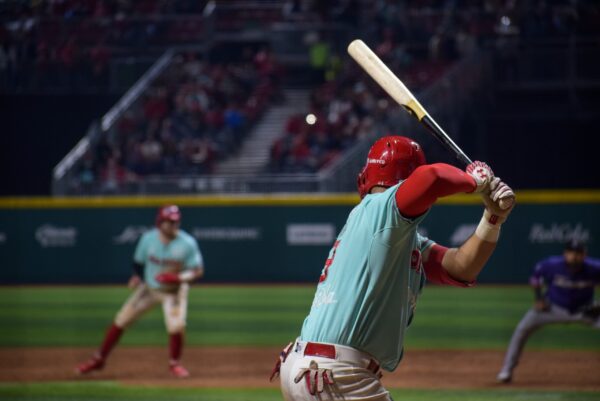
(328, 262)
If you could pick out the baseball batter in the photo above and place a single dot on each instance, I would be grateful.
(376, 269)
(569, 298)
(166, 260)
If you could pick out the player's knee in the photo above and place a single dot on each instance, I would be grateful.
(123, 320)
(175, 327)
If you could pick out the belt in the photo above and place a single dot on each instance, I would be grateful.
(338, 352)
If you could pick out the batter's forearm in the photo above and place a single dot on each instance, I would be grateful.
(466, 262)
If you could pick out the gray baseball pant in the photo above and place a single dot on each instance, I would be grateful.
(534, 320)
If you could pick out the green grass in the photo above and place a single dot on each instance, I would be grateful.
(111, 391)
(449, 318)
(477, 318)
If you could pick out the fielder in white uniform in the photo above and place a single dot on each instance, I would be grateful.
(369, 286)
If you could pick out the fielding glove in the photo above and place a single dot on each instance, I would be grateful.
(168, 278)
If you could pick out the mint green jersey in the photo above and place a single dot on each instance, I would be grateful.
(179, 254)
(369, 286)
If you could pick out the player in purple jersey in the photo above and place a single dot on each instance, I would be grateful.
(569, 281)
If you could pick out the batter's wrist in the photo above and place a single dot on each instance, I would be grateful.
(488, 228)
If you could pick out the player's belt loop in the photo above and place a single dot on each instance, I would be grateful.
(322, 350)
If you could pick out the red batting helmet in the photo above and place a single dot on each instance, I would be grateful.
(390, 159)
(168, 212)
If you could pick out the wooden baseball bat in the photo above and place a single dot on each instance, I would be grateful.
(394, 87)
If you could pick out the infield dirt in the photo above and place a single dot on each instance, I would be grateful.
(251, 367)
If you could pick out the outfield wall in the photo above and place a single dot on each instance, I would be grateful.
(262, 238)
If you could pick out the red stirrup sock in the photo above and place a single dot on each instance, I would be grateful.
(175, 346)
(110, 340)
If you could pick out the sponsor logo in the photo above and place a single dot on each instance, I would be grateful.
(130, 234)
(3, 238)
(227, 233)
(52, 236)
(310, 234)
(462, 233)
(324, 296)
(557, 233)
(375, 161)
(566, 282)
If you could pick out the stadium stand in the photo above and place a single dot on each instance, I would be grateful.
(229, 64)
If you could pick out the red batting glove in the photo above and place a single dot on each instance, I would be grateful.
(168, 278)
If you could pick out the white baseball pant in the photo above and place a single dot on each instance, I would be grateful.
(143, 299)
(355, 374)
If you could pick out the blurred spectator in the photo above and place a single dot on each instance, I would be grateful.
(87, 175)
(100, 56)
(151, 152)
(113, 176)
(319, 55)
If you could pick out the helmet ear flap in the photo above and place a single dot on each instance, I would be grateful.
(361, 182)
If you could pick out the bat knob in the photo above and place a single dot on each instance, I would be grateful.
(506, 203)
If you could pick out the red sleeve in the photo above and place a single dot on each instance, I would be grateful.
(435, 272)
(428, 183)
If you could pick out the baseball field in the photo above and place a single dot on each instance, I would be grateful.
(453, 350)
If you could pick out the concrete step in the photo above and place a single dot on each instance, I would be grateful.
(254, 153)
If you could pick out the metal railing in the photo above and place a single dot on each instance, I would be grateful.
(63, 173)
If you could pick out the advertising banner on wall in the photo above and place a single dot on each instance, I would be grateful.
(260, 243)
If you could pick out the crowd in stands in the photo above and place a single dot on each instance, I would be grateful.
(69, 44)
(197, 112)
(420, 45)
(193, 114)
(344, 109)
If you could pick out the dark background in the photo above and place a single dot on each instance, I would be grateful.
(38, 130)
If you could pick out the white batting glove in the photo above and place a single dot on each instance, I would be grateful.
(482, 173)
(315, 378)
(501, 193)
(495, 213)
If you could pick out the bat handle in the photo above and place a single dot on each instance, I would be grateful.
(464, 159)
(445, 139)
